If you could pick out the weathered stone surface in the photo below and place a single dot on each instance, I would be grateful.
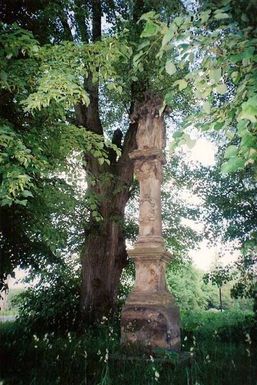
(150, 270)
(155, 326)
(150, 316)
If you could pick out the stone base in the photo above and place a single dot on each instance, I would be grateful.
(151, 326)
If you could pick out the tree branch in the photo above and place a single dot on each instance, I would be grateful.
(89, 117)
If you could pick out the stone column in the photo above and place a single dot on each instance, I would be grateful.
(150, 316)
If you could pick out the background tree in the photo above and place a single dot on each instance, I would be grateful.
(92, 95)
(67, 99)
(229, 214)
(218, 276)
(42, 206)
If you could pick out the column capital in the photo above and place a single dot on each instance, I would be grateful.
(149, 254)
(148, 153)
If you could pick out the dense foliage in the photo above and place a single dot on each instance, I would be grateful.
(71, 75)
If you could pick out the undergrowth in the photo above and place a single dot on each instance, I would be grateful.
(221, 347)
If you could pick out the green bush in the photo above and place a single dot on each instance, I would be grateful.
(53, 304)
(227, 325)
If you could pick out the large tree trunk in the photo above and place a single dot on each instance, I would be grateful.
(103, 259)
(104, 254)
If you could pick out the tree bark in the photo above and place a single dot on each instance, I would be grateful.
(104, 254)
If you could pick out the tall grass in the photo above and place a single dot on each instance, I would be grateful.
(222, 347)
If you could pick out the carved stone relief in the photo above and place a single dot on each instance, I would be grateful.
(148, 169)
(147, 216)
(150, 133)
(150, 316)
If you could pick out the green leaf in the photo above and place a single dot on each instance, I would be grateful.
(170, 67)
(137, 57)
(235, 76)
(232, 165)
(111, 86)
(206, 107)
(21, 202)
(143, 45)
(242, 126)
(150, 29)
(218, 126)
(181, 83)
(97, 154)
(215, 74)
(27, 193)
(221, 16)
(249, 110)
(169, 97)
(6, 202)
(248, 53)
(204, 16)
(231, 151)
(189, 141)
(221, 89)
(248, 140)
(177, 134)
(167, 37)
(178, 21)
(235, 58)
(119, 89)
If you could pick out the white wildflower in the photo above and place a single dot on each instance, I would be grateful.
(156, 375)
(248, 338)
(248, 352)
(35, 337)
(106, 355)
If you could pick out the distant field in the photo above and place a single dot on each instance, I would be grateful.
(11, 309)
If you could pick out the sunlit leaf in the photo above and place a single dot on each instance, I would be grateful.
(170, 67)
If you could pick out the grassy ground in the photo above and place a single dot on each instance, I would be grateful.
(223, 348)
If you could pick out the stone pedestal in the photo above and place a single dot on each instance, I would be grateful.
(150, 316)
